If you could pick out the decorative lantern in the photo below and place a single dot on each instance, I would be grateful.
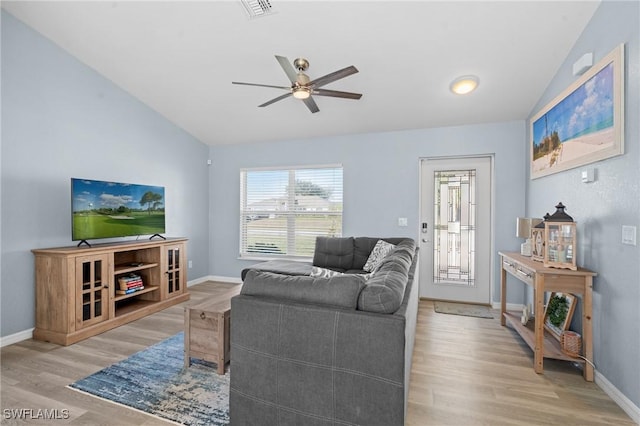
(537, 240)
(560, 240)
(524, 226)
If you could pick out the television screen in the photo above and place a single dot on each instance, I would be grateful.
(112, 209)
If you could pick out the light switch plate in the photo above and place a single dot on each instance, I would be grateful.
(629, 235)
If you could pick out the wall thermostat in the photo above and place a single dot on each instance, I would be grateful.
(588, 175)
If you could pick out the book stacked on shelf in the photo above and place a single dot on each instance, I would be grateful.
(129, 284)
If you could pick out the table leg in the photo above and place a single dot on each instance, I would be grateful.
(187, 358)
(503, 293)
(538, 294)
(587, 328)
(221, 342)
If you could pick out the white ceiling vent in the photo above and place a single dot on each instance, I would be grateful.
(257, 8)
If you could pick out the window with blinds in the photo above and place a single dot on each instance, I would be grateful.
(282, 211)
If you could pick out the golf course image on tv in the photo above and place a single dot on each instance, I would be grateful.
(103, 209)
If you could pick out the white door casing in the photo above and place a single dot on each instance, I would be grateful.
(463, 256)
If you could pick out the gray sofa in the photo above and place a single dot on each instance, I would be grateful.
(329, 350)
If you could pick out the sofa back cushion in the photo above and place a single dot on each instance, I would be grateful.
(340, 291)
(385, 289)
(334, 253)
(362, 247)
(383, 293)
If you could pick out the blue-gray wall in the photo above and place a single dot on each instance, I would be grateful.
(381, 181)
(602, 207)
(60, 119)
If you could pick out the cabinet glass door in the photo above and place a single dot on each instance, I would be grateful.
(175, 275)
(91, 287)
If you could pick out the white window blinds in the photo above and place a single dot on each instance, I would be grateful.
(282, 211)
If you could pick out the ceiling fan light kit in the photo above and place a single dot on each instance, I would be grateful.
(465, 84)
(302, 87)
(301, 93)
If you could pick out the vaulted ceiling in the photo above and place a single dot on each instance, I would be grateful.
(180, 57)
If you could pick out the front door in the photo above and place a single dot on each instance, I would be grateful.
(455, 234)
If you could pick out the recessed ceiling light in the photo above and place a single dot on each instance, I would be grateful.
(465, 84)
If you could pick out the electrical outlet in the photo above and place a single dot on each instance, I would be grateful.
(191, 264)
(402, 221)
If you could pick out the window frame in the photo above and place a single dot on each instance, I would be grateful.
(243, 254)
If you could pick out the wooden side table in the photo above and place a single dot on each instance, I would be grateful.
(206, 330)
(544, 279)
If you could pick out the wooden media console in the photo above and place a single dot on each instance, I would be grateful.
(82, 291)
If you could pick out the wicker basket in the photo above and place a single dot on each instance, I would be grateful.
(571, 343)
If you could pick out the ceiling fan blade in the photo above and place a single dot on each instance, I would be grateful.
(279, 98)
(337, 94)
(261, 85)
(288, 68)
(311, 104)
(336, 75)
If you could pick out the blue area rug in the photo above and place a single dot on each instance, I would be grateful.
(155, 381)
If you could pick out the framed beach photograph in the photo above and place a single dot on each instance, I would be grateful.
(558, 313)
(584, 124)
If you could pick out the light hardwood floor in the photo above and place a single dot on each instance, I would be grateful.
(466, 371)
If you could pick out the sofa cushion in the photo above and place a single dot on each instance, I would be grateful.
(379, 252)
(399, 259)
(340, 291)
(363, 246)
(334, 253)
(383, 293)
(288, 267)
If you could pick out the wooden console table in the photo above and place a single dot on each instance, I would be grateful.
(544, 279)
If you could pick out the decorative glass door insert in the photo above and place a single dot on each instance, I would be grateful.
(174, 271)
(454, 227)
(91, 290)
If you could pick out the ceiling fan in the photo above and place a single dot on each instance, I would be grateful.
(302, 87)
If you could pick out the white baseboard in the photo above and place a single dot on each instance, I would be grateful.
(510, 306)
(218, 278)
(198, 281)
(618, 397)
(16, 337)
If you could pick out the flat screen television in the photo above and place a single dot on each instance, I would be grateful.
(101, 209)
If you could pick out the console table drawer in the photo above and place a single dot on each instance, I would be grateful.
(520, 272)
(524, 274)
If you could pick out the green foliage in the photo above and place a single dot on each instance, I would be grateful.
(152, 199)
(548, 144)
(105, 225)
(557, 310)
(305, 187)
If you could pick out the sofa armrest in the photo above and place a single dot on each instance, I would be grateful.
(340, 291)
